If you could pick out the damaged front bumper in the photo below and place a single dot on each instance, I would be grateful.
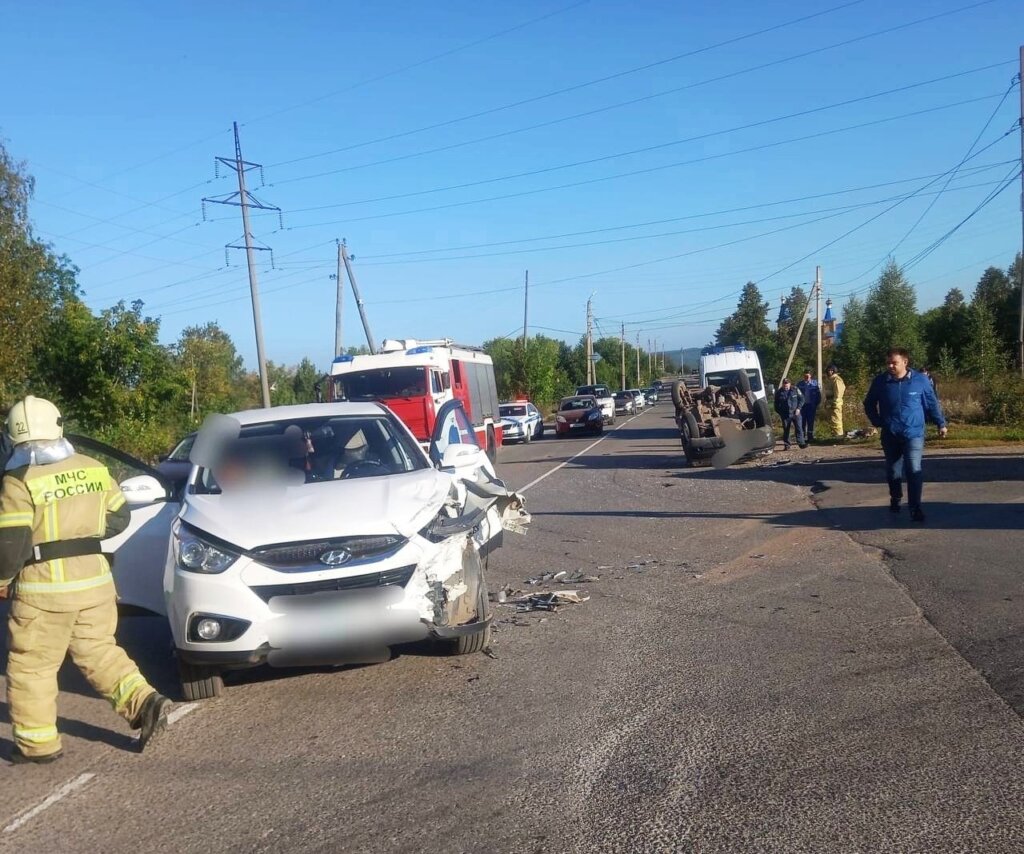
(433, 587)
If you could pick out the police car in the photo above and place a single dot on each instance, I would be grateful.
(521, 421)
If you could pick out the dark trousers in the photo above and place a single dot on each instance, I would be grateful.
(903, 462)
(807, 411)
(794, 420)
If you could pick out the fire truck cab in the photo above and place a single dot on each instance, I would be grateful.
(415, 378)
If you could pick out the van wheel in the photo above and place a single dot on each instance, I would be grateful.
(199, 682)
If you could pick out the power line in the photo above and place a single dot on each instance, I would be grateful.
(658, 147)
(876, 216)
(652, 169)
(413, 66)
(646, 223)
(564, 90)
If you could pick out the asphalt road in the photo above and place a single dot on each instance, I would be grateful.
(768, 662)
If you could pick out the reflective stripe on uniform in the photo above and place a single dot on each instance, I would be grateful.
(16, 519)
(124, 689)
(35, 736)
(48, 488)
(115, 502)
(64, 586)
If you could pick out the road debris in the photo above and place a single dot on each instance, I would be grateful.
(577, 576)
(545, 577)
(548, 601)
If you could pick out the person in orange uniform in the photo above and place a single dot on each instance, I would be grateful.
(55, 507)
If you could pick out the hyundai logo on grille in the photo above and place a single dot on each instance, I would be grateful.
(336, 557)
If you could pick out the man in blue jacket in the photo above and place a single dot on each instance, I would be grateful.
(897, 403)
(811, 391)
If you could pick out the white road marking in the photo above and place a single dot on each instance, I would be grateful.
(535, 481)
(180, 712)
(58, 795)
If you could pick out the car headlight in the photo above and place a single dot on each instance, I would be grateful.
(560, 419)
(593, 416)
(195, 554)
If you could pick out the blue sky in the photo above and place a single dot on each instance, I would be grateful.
(401, 127)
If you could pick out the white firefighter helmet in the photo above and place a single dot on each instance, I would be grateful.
(34, 420)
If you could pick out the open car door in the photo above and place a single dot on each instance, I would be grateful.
(139, 553)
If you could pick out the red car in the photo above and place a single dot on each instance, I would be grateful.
(581, 412)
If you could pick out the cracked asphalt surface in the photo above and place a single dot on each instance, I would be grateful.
(769, 662)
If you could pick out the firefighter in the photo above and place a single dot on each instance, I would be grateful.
(833, 391)
(55, 507)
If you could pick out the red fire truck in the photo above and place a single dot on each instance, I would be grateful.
(414, 378)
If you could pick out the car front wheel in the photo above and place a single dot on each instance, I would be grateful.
(199, 682)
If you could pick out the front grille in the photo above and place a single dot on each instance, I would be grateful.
(307, 554)
(398, 577)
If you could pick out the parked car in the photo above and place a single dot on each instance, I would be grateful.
(521, 421)
(625, 403)
(580, 412)
(650, 395)
(605, 399)
(638, 396)
(314, 534)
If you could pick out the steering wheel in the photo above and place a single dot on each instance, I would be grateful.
(364, 468)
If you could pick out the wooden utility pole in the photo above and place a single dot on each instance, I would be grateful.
(638, 384)
(347, 260)
(622, 346)
(526, 302)
(817, 314)
(1020, 269)
(338, 302)
(590, 345)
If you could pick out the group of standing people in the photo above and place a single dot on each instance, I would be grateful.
(797, 406)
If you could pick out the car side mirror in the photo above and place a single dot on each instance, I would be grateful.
(143, 489)
(461, 457)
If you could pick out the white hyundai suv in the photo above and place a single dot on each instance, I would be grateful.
(316, 534)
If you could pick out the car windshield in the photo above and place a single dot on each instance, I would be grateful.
(621, 395)
(182, 449)
(382, 383)
(722, 378)
(571, 403)
(513, 410)
(596, 390)
(307, 451)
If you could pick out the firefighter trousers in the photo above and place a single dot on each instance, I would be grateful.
(38, 642)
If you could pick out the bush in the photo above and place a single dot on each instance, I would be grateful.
(1005, 401)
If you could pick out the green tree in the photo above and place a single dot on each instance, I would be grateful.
(944, 328)
(211, 373)
(851, 354)
(32, 281)
(111, 376)
(890, 317)
(748, 324)
(985, 358)
(304, 381)
(1000, 292)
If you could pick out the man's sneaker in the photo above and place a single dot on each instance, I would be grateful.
(19, 758)
(917, 515)
(785, 447)
(894, 505)
(151, 719)
(801, 447)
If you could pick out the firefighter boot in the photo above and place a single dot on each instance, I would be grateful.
(152, 719)
(19, 758)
